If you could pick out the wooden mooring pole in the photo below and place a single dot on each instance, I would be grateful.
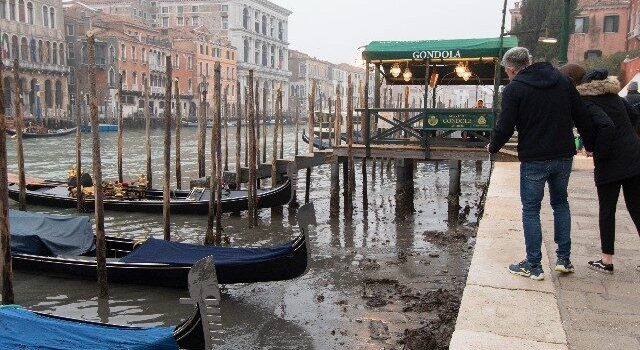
(311, 121)
(178, 121)
(120, 127)
(274, 157)
(455, 170)
(239, 116)
(404, 187)
(252, 212)
(166, 189)
(79, 195)
(258, 119)
(217, 91)
(101, 246)
(226, 132)
(147, 117)
(246, 127)
(17, 100)
(202, 128)
(5, 238)
(350, 166)
(264, 125)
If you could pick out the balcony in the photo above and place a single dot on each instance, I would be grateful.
(157, 90)
(48, 67)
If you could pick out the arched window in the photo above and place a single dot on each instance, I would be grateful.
(45, 16)
(143, 55)
(4, 52)
(15, 47)
(257, 22)
(54, 53)
(48, 95)
(3, 9)
(24, 49)
(144, 79)
(264, 55)
(59, 94)
(123, 53)
(112, 54)
(12, 10)
(33, 52)
(134, 80)
(245, 18)
(30, 12)
(47, 52)
(280, 31)
(21, 14)
(40, 52)
(112, 78)
(52, 17)
(61, 54)
(264, 25)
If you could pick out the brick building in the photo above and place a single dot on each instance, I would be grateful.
(600, 28)
(32, 32)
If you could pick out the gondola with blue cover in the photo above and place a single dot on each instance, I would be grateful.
(64, 246)
(25, 329)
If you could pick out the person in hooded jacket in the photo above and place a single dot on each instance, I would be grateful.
(543, 105)
(616, 156)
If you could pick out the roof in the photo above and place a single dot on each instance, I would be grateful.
(458, 49)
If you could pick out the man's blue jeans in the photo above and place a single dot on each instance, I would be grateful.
(533, 177)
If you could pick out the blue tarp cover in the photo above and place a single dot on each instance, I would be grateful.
(41, 234)
(23, 329)
(174, 253)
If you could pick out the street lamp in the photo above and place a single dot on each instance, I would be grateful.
(564, 33)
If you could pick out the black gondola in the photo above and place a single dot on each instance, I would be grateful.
(167, 264)
(196, 201)
(26, 329)
(317, 143)
(48, 133)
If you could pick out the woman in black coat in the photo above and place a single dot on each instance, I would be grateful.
(616, 156)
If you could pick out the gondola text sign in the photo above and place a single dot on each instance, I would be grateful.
(421, 55)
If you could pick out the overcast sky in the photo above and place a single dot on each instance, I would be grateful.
(332, 30)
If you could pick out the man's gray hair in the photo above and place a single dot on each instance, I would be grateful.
(517, 58)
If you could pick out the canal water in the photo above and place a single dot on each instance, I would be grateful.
(366, 278)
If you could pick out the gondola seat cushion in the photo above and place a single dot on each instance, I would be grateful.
(183, 254)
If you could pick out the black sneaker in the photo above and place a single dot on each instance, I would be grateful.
(598, 265)
(564, 266)
(524, 268)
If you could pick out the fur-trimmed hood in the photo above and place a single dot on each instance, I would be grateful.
(611, 85)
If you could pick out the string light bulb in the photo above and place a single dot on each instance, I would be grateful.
(395, 70)
(407, 75)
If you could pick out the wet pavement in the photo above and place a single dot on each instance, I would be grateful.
(370, 278)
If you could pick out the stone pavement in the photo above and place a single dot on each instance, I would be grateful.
(585, 310)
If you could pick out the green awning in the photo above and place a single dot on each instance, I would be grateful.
(437, 49)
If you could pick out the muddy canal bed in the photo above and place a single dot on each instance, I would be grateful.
(374, 282)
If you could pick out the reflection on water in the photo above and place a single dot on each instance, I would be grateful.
(282, 315)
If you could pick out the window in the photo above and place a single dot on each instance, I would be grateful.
(245, 18)
(165, 22)
(15, 47)
(264, 25)
(30, 12)
(123, 53)
(133, 53)
(190, 85)
(24, 49)
(70, 30)
(180, 9)
(181, 21)
(3, 14)
(201, 49)
(154, 4)
(143, 56)
(61, 53)
(591, 54)
(134, 79)
(165, 9)
(54, 53)
(611, 24)
(257, 23)
(189, 62)
(21, 15)
(112, 53)
(52, 17)
(194, 8)
(280, 31)
(225, 23)
(12, 10)
(200, 68)
(32, 50)
(195, 21)
(264, 55)
(45, 16)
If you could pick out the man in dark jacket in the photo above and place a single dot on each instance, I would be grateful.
(543, 106)
(633, 97)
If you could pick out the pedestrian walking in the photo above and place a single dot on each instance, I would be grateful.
(616, 154)
(543, 105)
(633, 97)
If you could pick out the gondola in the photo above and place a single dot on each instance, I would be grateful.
(47, 133)
(317, 143)
(151, 262)
(25, 329)
(196, 201)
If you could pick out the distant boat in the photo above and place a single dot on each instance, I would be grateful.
(101, 128)
(42, 132)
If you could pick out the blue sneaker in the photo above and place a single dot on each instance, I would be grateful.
(524, 268)
(564, 265)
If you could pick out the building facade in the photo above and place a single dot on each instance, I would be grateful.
(32, 31)
(600, 28)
